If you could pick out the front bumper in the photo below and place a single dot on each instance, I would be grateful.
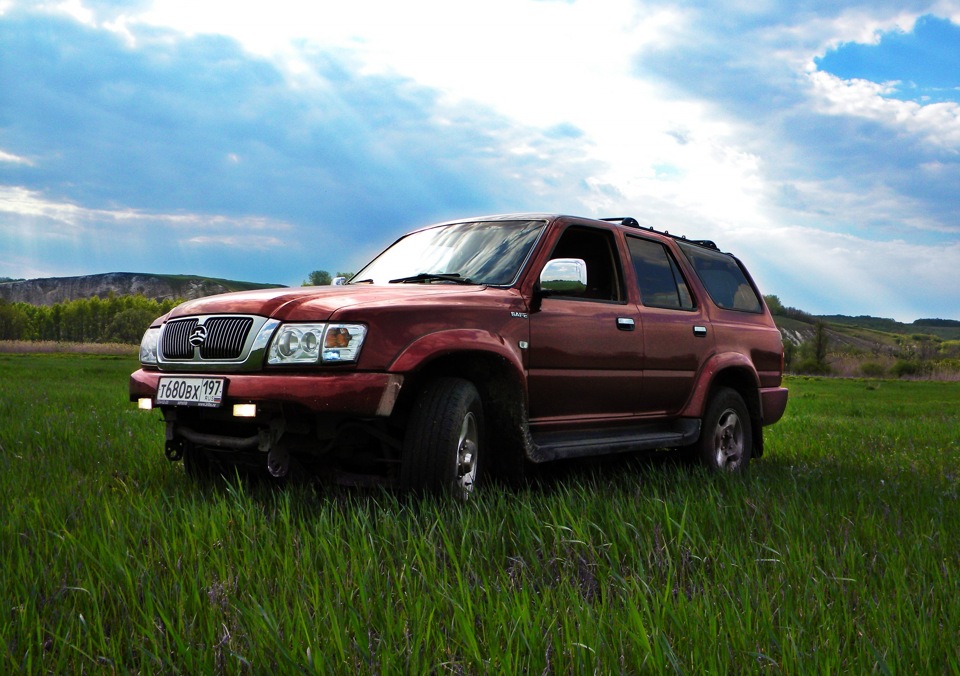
(357, 394)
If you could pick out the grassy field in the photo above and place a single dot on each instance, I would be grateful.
(840, 552)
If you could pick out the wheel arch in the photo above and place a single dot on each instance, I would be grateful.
(746, 384)
(502, 388)
(736, 372)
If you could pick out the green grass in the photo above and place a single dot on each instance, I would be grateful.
(839, 553)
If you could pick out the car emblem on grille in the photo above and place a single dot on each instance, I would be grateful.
(198, 336)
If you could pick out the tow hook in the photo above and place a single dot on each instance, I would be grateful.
(173, 449)
(278, 462)
(278, 457)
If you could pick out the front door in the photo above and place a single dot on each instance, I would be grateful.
(586, 349)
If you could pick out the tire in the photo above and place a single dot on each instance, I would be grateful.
(726, 438)
(443, 448)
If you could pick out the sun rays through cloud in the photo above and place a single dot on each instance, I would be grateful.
(821, 143)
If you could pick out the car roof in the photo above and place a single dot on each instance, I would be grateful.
(626, 222)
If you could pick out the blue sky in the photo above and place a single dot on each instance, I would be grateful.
(820, 141)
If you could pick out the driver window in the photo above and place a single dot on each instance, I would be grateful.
(598, 250)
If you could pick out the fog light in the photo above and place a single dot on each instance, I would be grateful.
(245, 410)
(145, 404)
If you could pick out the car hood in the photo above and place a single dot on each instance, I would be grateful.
(319, 303)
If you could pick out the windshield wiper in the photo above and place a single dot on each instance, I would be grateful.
(431, 277)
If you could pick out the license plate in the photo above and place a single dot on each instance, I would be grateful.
(191, 391)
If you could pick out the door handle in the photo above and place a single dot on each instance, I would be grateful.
(626, 324)
(700, 331)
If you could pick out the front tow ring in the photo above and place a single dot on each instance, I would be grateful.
(174, 450)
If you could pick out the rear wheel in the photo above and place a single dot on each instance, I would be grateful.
(443, 446)
(726, 438)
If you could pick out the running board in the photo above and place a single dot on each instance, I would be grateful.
(548, 446)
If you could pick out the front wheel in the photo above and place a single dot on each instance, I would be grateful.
(443, 446)
(726, 438)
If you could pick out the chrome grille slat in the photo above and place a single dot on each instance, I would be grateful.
(176, 339)
(225, 338)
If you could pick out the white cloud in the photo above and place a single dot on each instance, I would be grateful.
(550, 63)
(75, 9)
(10, 158)
(243, 242)
(937, 123)
(57, 219)
(715, 124)
(843, 205)
(837, 273)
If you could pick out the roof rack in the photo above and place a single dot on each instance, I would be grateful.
(633, 223)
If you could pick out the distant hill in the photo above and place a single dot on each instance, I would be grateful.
(52, 290)
(947, 329)
(864, 333)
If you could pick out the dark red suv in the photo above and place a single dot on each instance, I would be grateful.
(470, 348)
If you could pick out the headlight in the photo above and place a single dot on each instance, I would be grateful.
(148, 347)
(296, 344)
(315, 343)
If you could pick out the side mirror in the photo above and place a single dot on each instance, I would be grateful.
(338, 281)
(563, 277)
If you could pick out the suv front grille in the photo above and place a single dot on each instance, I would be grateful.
(225, 337)
(216, 338)
(175, 342)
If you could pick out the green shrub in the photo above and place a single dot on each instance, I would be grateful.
(789, 353)
(812, 367)
(945, 367)
(872, 369)
(950, 348)
(905, 368)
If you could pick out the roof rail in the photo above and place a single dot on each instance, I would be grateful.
(632, 223)
(706, 243)
(623, 220)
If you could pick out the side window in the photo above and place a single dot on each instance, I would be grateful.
(658, 276)
(723, 278)
(597, 249)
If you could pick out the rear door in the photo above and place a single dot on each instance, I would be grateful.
(677, 337)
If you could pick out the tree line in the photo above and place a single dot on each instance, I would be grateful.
(324, 278)
(115, 319)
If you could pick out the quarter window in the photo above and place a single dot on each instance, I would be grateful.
(658, 276)
(723, 278)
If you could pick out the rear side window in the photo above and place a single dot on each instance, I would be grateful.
(723, 279)
(658, 276)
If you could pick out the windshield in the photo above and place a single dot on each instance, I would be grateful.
(482, 252)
